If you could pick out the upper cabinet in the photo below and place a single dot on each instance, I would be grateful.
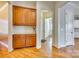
(30, 17)
(24, 16)
(18, 16)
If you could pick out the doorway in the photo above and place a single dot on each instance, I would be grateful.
(46, 42)
(69, 29)
(45, 27)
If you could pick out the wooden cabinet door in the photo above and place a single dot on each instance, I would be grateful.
(32, 17)
(33, 40)
(18, 40)
(30, 40)
(18, 16)
(27, 17)
(27, 42)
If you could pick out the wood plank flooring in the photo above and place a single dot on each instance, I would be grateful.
(70, 51)
(29, 53)
(22, 53)
(32, 52)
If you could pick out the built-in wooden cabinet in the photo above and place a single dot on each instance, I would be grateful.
(24, 40)
(24, 16)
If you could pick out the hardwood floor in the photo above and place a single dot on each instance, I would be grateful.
(22, 53)
(32, 52)
(29, 53)
(71, 51)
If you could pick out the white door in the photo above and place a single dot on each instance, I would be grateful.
(69, 17)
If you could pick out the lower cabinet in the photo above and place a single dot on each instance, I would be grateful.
(18, 41)
(30, 40)
(24, 40)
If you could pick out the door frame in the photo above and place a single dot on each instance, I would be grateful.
(60, 16)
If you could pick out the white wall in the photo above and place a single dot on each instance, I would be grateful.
(76, 24)
(42, 6)
(23, 30)
(4, 19)
(77, 11)
(29, 4)
(4, 22)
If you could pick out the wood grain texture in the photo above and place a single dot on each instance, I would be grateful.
(23, 53)
(18, 41)
(24, 16)
(30, 40)
(24, 40)
(32, 52)
(18, 16)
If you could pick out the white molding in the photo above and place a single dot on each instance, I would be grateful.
(61, 46)
(10, 40)
(38, 47)
(10, 50)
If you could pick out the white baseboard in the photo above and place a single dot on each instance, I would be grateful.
(61, 46)
(38, 47)
(10, 50)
